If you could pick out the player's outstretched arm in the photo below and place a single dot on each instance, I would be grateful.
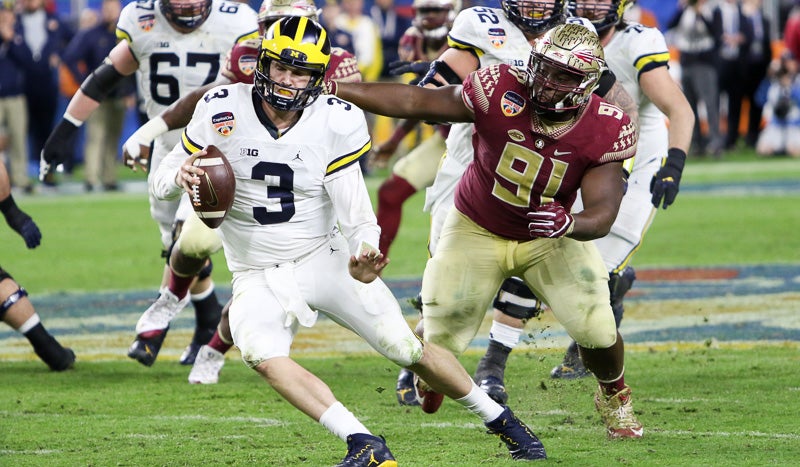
(119, 64)
(442, 104)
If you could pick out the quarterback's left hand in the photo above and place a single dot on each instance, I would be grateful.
(550, 221)
(368, 265)
(25, 227)
(665, 183)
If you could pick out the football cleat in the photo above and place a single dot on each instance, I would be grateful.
(617, 414)
(495, 389)
(146, 346)
(189, 354)
(207, 366)
(429, 399)
(571, 367)
(522, 444)
(367, 451)
(406, 394)
(66, 362)
(158, 316)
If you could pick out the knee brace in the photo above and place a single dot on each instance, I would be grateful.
(515, 299)
(11, 300)
(618, 285)
(206, 271)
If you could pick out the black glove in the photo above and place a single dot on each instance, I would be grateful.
(401, 67)
(21, 223)
(666, 181)
(58, 147)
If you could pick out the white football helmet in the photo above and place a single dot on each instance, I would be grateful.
(603, 15)
(273, 10)
(535, 16)
(185, 15)
(435, 17)
(564, 68)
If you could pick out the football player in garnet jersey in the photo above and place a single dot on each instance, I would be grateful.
(540, 136)
(176, 46)
(295, 155)
(15, 308)
(195, 242)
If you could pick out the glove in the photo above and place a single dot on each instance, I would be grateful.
(401, 67)
(664, 185)
(24, 225)
(58, 147)
(550, 221)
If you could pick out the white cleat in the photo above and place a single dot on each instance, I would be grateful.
(207, 366)
(161, 312)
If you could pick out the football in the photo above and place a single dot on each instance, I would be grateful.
(213, 197)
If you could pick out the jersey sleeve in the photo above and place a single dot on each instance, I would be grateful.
(624, 145)
(465, 33)
(127, 23)
(648, 47)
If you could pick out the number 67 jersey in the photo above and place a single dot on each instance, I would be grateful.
(292, 186)
(172, 64)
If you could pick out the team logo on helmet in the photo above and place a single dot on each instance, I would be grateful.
(146, 22)
(512, 104)
(223, 122)
(497, 37)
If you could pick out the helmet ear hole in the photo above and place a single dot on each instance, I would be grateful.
(300, 45)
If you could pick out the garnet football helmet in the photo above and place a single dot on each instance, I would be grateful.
(564, 68)
(602, 15)
(534, 16)
(298, 43)
(273, 10)
(186, 14)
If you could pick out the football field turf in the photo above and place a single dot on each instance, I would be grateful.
(712, 333)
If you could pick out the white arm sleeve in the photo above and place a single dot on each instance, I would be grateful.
(353, 208)
(163, 185)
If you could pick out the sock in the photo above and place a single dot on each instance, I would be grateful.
(341, 422)
(479, 403)
(46, 346)
(218, 344)
(391, 196)
(610, 388)
(179, 285)
(208, 312)
(493, 362)
(505, 334)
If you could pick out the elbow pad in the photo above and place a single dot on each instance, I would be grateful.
(443, 69)
(102, 81)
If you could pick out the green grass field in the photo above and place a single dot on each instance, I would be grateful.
(702, 403)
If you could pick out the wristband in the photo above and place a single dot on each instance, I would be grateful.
(72, 120)
(145, 135)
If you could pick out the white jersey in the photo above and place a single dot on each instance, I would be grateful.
(292, 189)
(494, 39)
(631, 52)
(172, 64)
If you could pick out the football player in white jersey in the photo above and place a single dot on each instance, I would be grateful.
(484, 36)
(174, 46)
(295, 157)
(639, 57)
(195, 241)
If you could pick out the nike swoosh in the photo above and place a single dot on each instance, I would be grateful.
(561, 153)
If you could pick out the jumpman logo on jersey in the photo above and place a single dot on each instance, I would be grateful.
(333, 250)
(297, 157)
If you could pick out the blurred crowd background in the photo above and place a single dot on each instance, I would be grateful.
(738, 69)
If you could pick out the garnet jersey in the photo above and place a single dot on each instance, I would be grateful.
(631, 52)
(292, 187)
(172, 64)
(521, 164)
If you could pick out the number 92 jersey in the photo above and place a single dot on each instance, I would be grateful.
(172, 64)
(292, 188)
